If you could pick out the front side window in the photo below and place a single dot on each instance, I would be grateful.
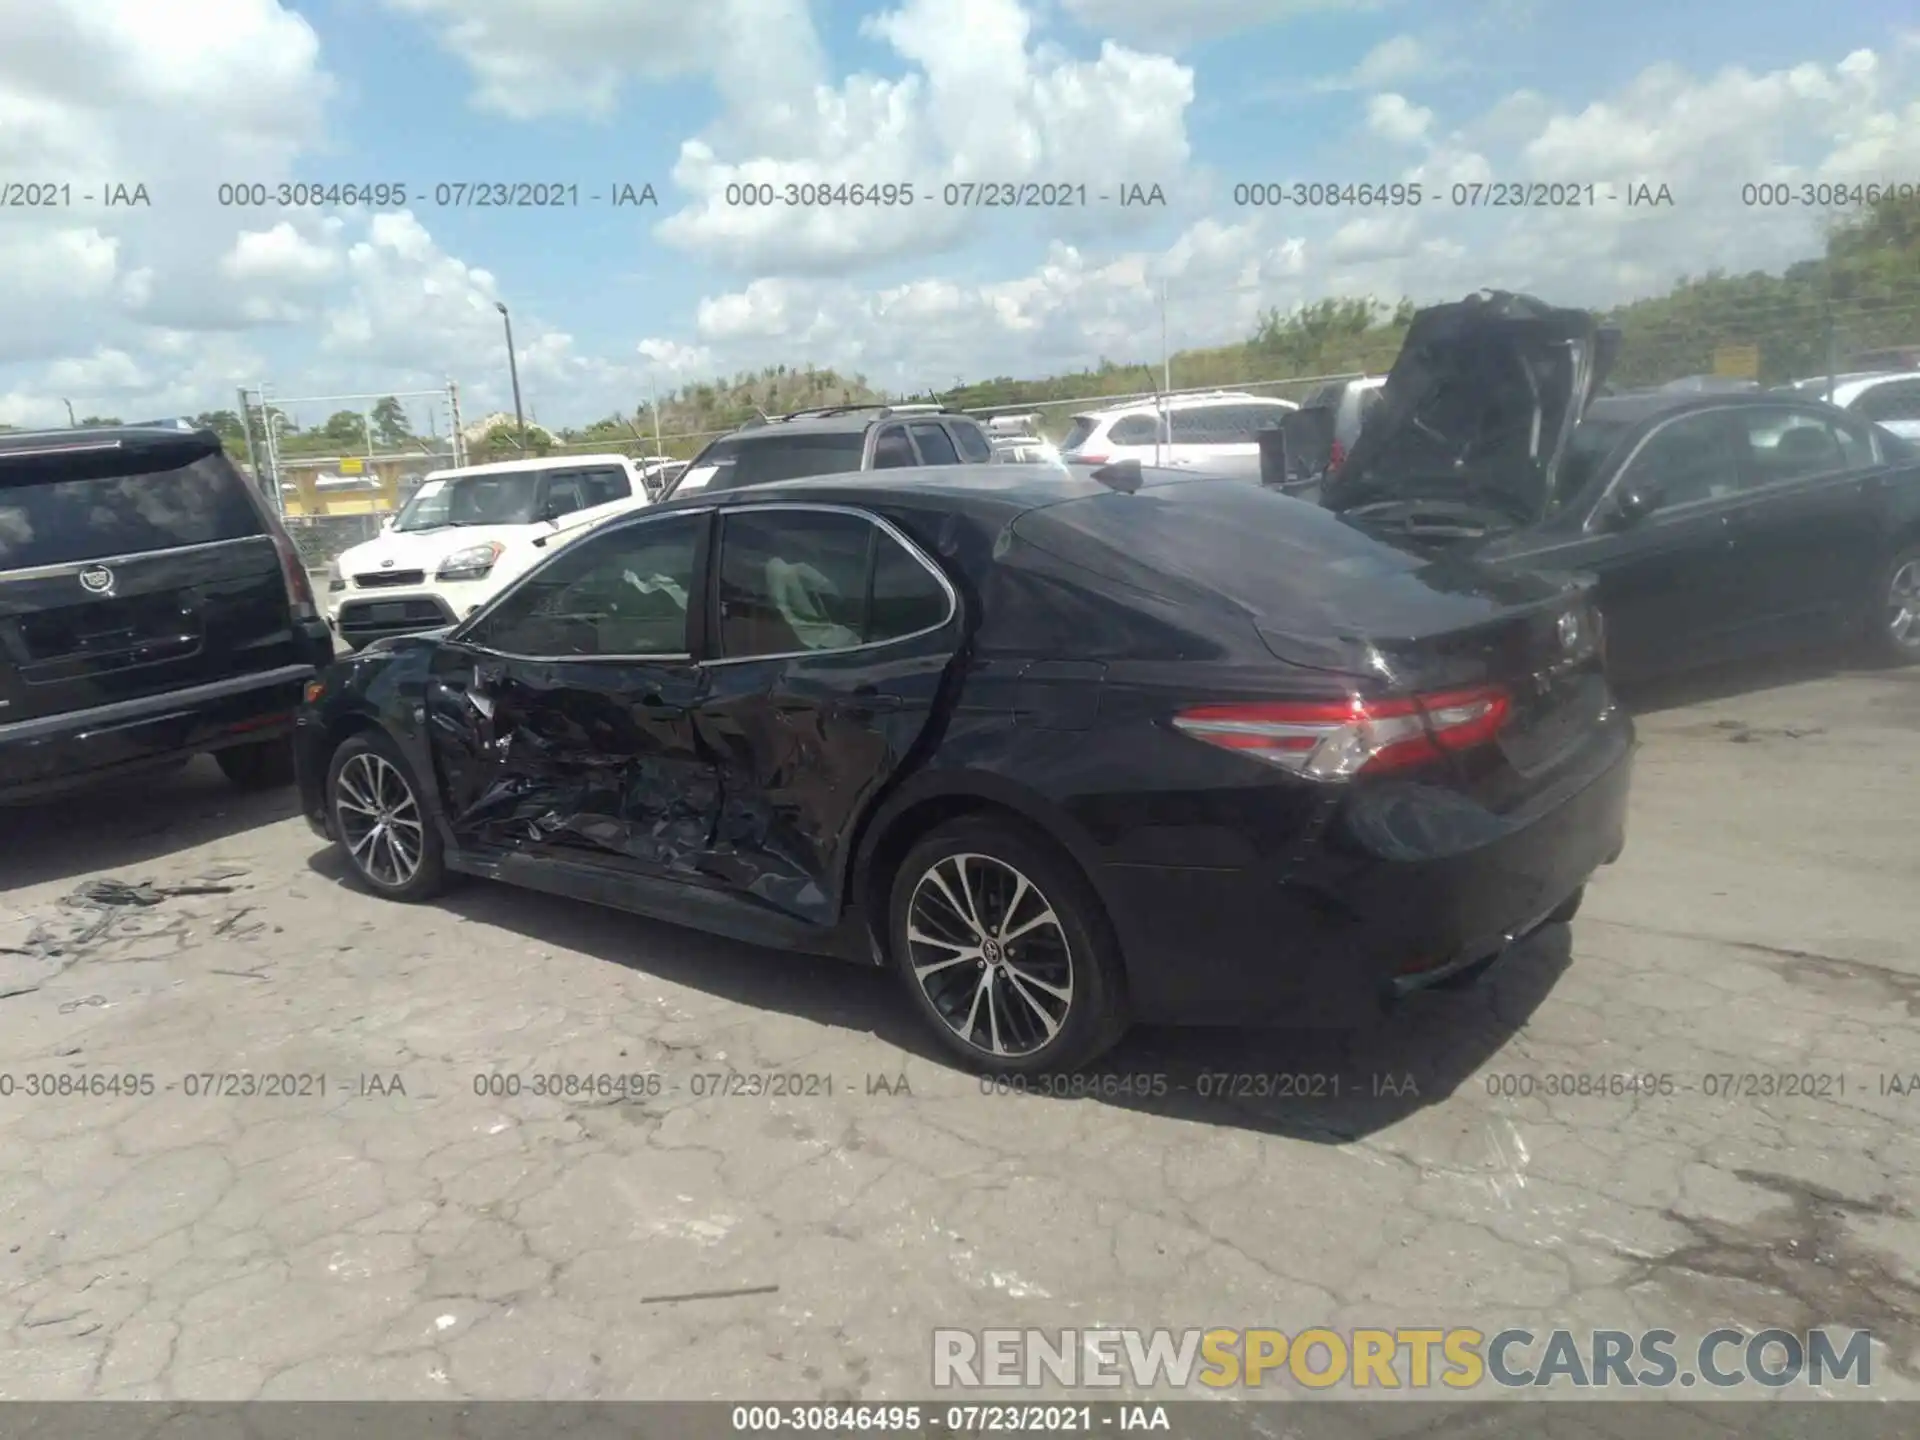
(793, 581)
(1691, 458)
(625, 592)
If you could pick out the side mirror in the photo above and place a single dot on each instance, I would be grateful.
(389, 522)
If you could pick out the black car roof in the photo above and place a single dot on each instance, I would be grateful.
(995, 490)
(1634, 406)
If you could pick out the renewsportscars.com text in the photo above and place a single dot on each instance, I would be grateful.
(1400, 1358)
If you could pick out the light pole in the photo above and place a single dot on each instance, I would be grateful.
(513, 369)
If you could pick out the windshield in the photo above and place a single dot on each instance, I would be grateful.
(762, 459)
(504, 499)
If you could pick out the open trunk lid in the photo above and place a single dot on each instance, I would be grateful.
(1478, 408)
(132, 564)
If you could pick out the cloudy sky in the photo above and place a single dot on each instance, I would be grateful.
(141, 310)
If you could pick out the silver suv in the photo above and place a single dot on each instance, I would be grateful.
(835, 440)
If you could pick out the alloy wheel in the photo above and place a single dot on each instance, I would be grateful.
(379, 819)
(989, 952)
(1903, 606)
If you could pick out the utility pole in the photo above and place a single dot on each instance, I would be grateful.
(513, 370)
(659, 450)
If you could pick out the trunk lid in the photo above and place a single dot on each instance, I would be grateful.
(1324, 596)
(131, 566)
(1477, 410)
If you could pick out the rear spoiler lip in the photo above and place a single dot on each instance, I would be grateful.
(151, 449)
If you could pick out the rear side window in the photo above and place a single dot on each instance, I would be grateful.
(60, 512)
(893, 451)
(936, 448)
(1079, 432)
(1133, 430)
(793, 581)
(974, 445)
(1224, 424)
(1896, 400)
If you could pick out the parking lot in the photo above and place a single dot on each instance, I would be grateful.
(416, 1231)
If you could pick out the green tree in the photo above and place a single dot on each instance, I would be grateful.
(390, 423)
(345, 427)
(224, 423)
(86, 420)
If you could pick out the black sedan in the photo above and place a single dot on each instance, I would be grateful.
(1065, 752)
(1718, 525)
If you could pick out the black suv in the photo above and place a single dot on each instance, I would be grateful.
(151, 608)
(832, 441)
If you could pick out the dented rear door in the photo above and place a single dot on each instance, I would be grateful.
(835, 636)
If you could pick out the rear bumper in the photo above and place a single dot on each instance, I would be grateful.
(56, 752)
(1405, 888)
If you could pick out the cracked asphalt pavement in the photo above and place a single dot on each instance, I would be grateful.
(416, 1232)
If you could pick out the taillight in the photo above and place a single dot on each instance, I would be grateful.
(293, 570)
(1337, 456)
(1336, 740)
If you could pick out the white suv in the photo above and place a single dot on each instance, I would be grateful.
(1217, 432)
(466, 533)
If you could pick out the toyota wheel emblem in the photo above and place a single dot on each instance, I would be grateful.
(97, 580)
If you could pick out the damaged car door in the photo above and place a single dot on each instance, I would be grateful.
(562, 717)
(833, 633)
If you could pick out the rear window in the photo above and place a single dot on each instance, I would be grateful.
(60, 512)
(762, 459)
(1249, 545)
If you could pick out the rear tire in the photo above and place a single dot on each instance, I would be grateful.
(259, 765)
(1005, 949)
(1895, 635)
(380, 820)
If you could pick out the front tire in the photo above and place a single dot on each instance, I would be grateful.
(1005, 949)
(380, 818)
(1895, 637)
(258, 765)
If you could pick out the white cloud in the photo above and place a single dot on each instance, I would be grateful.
(1180, 23)
(144, 313)
(284, 255)
(1704, 136)
(99, 93)
(982, 99)
(1392, 62)
(1395, 118)
(983, 103)
(534, 58)
(674, 359)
